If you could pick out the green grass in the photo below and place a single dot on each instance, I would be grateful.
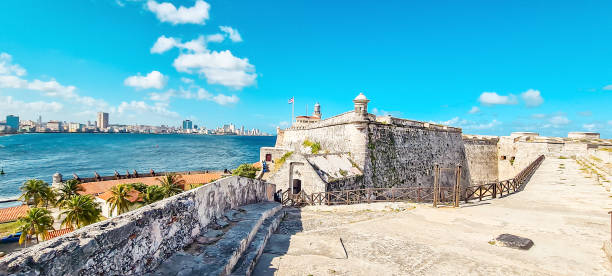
(8, 228)
(315, 147)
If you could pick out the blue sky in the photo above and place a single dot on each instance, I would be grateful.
(490, 67)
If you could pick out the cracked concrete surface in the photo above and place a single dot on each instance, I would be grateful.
(562, 210)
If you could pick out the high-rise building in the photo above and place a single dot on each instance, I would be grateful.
(187, 124)
(13, 122)
(102, 120)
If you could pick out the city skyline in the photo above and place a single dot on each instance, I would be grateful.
(484, 69)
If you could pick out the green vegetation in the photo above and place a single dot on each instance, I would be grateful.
(8, 228)
(81, 210)
(315, 147)
(193, 186)
(140, 187)
(172, 184)
(562, 157)
(37, 192)
(343, 172)
(606, 149)
(67, 191)
(246, 170)
(152, 194)
(119, 199)
(278, 163)
(36, 223)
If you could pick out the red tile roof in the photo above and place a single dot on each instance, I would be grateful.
(96, 188)
(13, 213)
(57, 233)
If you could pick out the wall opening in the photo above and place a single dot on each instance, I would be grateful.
(297, 186)
(268, 157)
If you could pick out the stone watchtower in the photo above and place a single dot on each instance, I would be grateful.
(361, 105)
(317, 111)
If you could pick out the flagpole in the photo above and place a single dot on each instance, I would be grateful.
(292, 110)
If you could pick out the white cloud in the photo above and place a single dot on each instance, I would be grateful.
(12, 82)
(215, 38)
(186, 80)
(164, 44)
(155, 79)
(219, 68)
(167, 12)
(10, 105)
(196, 92)
(225, 100)
(474, 110)
(492, 98)
(233, 34)
(608, 87)
(141, 108)
(480, 126)
(381, 112)
(559, 120)
(7, 68)
(532, 98)
(538, 116)
(589, 127)
(610, 122)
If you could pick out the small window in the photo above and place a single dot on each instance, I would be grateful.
(503, 157)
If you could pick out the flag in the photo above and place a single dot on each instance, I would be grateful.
(291, 100)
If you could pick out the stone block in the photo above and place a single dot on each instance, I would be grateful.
(512, 241)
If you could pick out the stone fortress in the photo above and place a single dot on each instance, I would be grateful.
(357, 149)
(223, 227)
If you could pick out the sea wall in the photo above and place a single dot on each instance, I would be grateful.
(138, 241)
(481, 154)
(404, 155)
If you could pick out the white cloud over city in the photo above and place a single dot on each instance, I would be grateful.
(155, 79)
(167, 12)
(492, 98)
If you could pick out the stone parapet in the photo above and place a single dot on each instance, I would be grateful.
(138, 241)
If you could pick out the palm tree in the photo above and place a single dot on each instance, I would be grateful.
(67, 191)
(37, 222)
(36, 191)
(81, 210)
(140, 187)
(172, 184)
(119, 200)
(152, 193)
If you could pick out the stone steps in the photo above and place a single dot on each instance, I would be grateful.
(217, 251)
(249, 259)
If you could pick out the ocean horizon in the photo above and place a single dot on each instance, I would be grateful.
(40, 155)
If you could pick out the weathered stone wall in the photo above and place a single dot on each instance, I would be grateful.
(336, 134)
(404, 155)
(138, 241)
(482, 159)
(297, 167)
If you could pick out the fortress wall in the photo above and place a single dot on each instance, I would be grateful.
(336, 134)
(138, 241)
(400, 156)
(482, 159)
(605, 156)
(515, 155)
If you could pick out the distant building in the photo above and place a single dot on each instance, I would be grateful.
(102, 120)
(187, 124)
(75, 127)
(12, 121)
(54, 125)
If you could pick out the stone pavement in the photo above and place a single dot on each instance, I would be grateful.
(561, 209)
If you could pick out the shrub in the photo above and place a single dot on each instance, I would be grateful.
(245, 170)
(315, 147)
